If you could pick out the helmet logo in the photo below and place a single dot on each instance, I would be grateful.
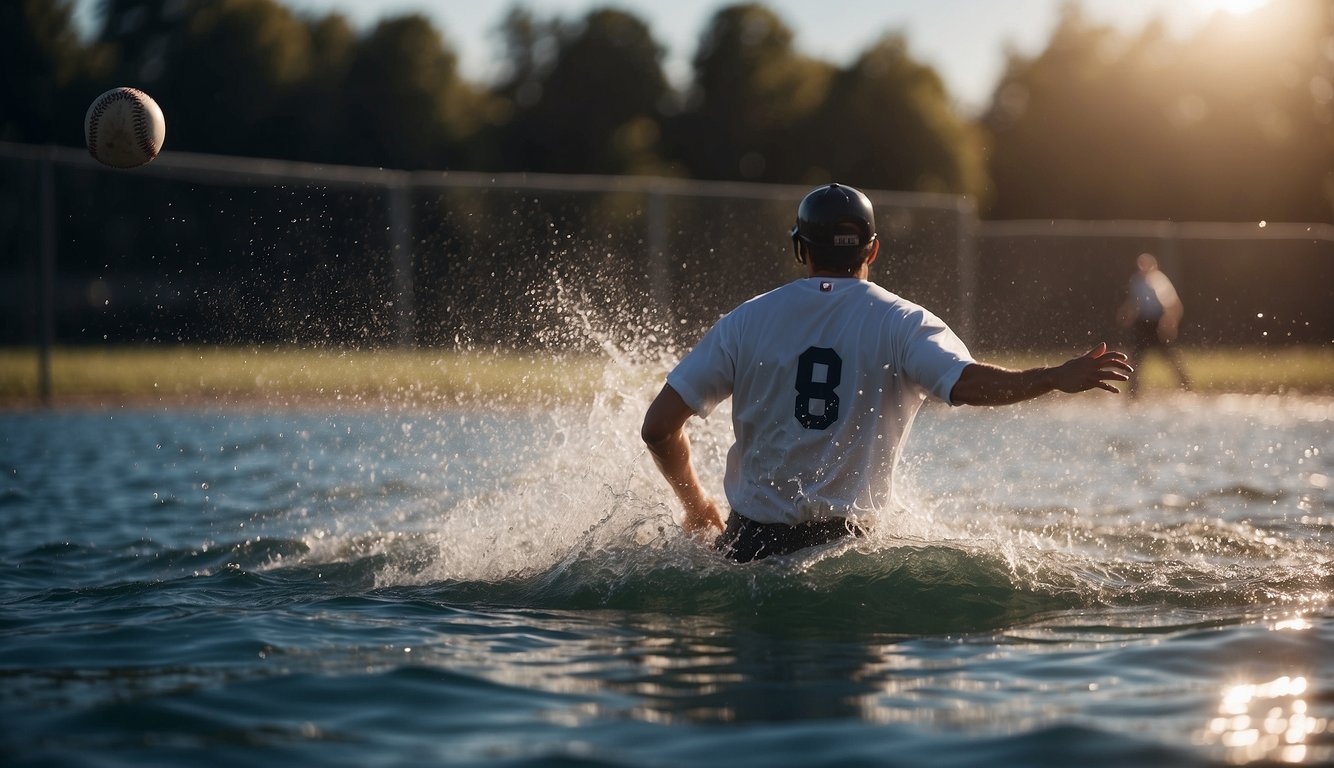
(846, 240)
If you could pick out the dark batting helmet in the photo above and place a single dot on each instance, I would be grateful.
(835, 216)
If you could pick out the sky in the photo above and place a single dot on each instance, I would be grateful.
(964, 40)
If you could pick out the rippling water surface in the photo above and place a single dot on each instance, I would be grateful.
(1073, 582)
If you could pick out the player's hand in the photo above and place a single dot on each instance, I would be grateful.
(1093, 370)
(703, 522)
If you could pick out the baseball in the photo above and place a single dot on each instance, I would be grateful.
(124, 128)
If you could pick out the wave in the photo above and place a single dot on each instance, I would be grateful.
(910, 589)
(640, 563)
(881, 584)
(906, 588)
(963, 577)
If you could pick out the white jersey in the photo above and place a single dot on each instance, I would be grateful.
(826, 375)
(1152, 293)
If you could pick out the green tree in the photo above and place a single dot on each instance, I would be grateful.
(241, 61)
(250, 77)
(317, 104)
(141, 34)
(224, 71)
(530, 48)
(1231, 124)
(1058, 131)
(1258, 91)
(888, 123)
(593, 104)
(405, 103)
(751, 93)
(46, 72)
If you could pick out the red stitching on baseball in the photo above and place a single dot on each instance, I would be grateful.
(141, 123)
(140, 116)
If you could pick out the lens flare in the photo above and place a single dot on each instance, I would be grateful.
(1233, 7)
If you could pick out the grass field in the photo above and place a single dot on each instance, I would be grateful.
(118, 374)
(109, 375)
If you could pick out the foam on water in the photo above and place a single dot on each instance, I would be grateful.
(1074, 502)
(1072, 580)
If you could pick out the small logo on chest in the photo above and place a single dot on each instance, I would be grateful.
(826, 286)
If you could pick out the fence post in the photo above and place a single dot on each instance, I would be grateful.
(46, 274)
(659, 276)
(400, 239)
(967, 255)
(1169, 255)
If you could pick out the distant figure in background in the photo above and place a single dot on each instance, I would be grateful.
(1153, 311)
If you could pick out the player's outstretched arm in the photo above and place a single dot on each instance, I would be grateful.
(984, 384)
(664, 434)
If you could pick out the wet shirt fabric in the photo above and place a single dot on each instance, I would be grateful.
(826, 376)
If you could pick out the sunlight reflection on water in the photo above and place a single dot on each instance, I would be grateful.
(1080, 579)
(1264, 721)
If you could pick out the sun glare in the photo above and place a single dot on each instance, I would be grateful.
(1234, 7)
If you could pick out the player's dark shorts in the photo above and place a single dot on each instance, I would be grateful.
(1146, 335)
(744, 539)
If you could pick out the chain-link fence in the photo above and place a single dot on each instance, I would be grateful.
(205, 249)
(1242, 284)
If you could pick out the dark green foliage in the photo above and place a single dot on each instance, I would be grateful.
(887, 123)
(47, 74)
(752, 95)
(595, 106)
(1235, 122)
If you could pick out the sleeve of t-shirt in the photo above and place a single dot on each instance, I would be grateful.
(934, 356)
(704, 376)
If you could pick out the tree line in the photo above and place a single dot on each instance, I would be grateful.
(1234, 122)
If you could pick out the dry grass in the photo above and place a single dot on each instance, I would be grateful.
(1307, 369)
(113, 374)
(169, 374)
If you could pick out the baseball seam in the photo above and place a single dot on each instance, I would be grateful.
(141, 128)
(94, 123)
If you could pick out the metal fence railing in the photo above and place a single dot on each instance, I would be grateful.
(1242, 283)
(209, 249)
(232, 249)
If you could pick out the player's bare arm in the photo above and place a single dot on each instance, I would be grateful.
(983, 384)
(663, 432)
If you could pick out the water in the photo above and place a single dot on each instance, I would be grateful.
(1072, 582)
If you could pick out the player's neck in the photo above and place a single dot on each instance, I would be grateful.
(861, 273)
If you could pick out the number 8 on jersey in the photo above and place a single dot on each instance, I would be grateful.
(819, 371)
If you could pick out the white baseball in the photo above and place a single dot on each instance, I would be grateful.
(124, 128)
